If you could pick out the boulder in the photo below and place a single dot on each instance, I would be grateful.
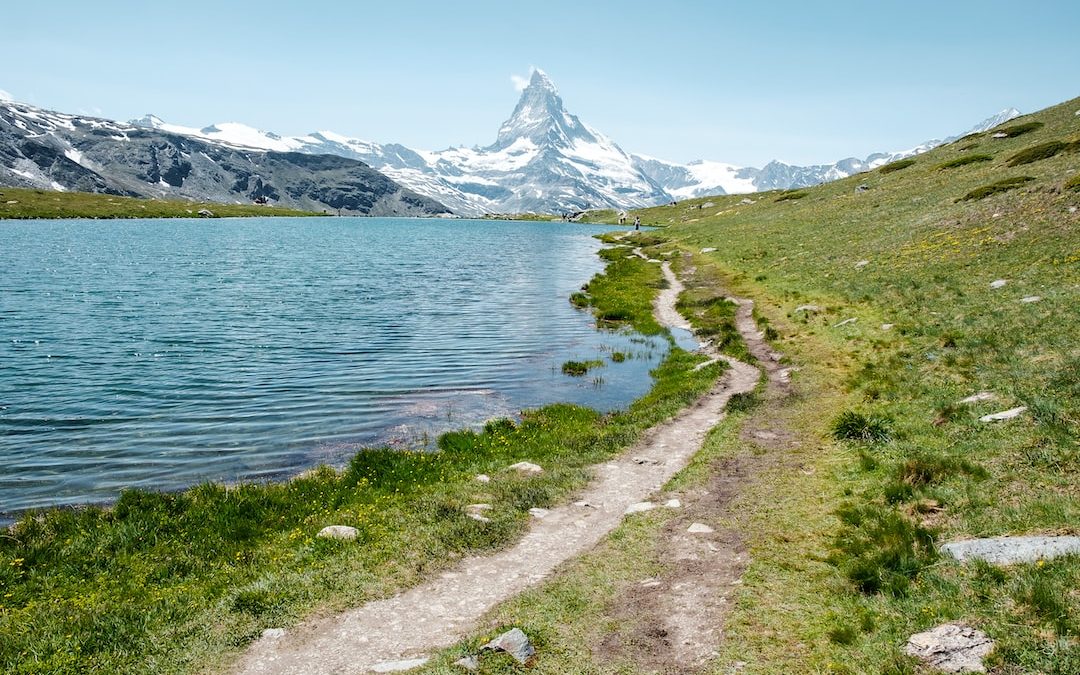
(343, 532)
(513, 642)
(206, 213)
(952, 648)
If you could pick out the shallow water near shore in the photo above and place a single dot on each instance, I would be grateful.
(157, 354)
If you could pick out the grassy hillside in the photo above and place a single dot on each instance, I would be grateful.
(874, 461)
(19, 203)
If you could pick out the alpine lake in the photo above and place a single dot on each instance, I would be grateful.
(157, 354)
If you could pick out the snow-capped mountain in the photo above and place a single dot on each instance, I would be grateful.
(543, 159)
(52, 150)
(703, 177)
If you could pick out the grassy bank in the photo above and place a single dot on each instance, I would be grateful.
(18, 203)
(178, 582)
(881, 297)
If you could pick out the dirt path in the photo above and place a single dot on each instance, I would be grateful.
(438, 613)
(674, 622)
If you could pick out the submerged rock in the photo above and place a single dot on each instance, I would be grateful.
(951, 647)
(515, 643)
(337, 532)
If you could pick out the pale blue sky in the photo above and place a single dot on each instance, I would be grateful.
(737, 82)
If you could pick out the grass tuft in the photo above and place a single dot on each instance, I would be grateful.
(1018, 129)
(879, 550)
(579, 368)
(791, 195)
(897, 165)
(1037, 152)
(855, 426)
(1003, 185)
(963, 161)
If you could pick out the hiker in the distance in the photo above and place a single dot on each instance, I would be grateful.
(637, 222)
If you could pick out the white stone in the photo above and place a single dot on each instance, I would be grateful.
(398, 666)
(846, 322)
(273, 633)
(672, 504)
(483, 478)
(952, 648)
(998, 283)
(700, 528)
(1010, 550)
(862, 263)
(640, 507)
(708, 250)
(1031, 298)
(1004, 415)
(526, 468)
(886, 326)
(537, 512)
(337, 532)
(807, 308)
(981, 396)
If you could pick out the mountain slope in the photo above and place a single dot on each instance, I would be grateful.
(45, 149)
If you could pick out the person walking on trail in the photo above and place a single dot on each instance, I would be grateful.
(637, 222)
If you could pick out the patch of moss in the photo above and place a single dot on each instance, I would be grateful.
(792, 195)
(1018, 129)
(1037, 152)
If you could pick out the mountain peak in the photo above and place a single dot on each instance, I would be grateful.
(541, 117)
(148, 121)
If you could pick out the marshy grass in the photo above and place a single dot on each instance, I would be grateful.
(579, 368)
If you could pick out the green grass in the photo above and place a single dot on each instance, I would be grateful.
(963, 161)
(792, 195)
(1037, 152)
(897, 165)
(21, 204)
(178, 582)
(1015, 130)
(842, 533)
(1003, 185)
(579, 368)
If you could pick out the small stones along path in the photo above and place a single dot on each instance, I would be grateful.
(438, 613)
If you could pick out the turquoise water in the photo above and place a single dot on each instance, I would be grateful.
(157, 354)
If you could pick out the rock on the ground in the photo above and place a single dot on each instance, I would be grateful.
(862, 263)
(1004, 414)
(1011, 550)
(672, 504)
(951, 647)
(398, 666)
(640, 507)
(708, 250)
(513, 642)
(998, 283)
(470, 663)
(482, 478)
(887, 326)
(699, 528)
(846, 322)
(476, 512)
(807, 308)
(978, 397)
(526, 468)
(537, 512)
(337, 532)
(1031, 298)
(206, 213)
(273, 633)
